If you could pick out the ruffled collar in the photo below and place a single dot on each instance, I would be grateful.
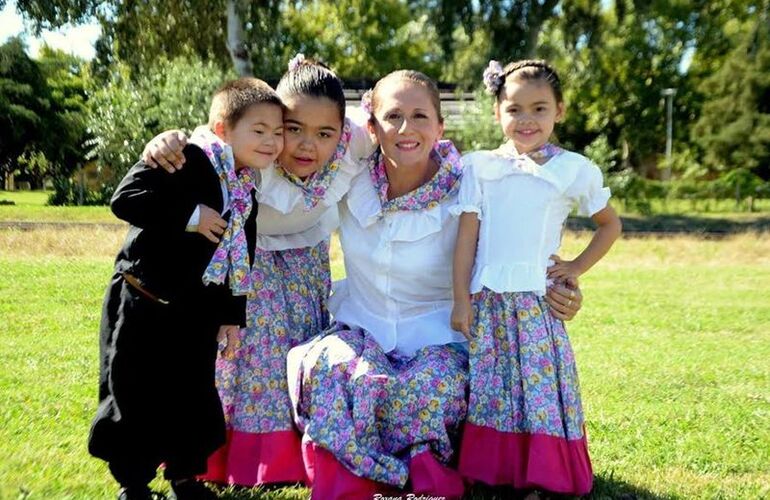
(539, 156)
(443, 184)
(315, 186)
(559, 169)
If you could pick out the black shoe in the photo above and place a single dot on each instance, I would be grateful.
(139, 493)
(190, 489)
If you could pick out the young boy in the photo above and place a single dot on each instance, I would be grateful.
(157, 398)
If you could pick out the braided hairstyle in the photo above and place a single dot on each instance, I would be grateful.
(309, 77)
(530, 70)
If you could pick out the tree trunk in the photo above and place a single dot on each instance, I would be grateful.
(532, 36)
(236, 44)
(537, 15)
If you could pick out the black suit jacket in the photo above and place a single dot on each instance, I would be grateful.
(166, 259)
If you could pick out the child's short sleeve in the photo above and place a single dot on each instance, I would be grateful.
(588, 190)
(469, 197)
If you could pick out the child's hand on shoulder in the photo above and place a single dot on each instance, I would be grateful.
(211, 224)
(227, 337)
(562, 270)
(462, 317)
(165, 150)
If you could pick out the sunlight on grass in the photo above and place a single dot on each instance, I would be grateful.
(672, 347)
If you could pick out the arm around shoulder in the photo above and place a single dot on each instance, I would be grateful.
(149, 197)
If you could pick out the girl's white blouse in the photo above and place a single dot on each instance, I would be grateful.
(522, 207)
(399, 271)
(283, 222)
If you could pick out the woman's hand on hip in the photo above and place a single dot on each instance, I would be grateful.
(565, 299)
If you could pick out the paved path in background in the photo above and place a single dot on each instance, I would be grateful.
(632, 225)
(31, 225)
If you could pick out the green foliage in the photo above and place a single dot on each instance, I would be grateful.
(476, 127)
(734, 126)
(43, 113)
(24, 104)
(347, 33)
(65, 76)
(126, 113)
(511, 26)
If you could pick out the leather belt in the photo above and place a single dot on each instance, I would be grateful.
(131, 280)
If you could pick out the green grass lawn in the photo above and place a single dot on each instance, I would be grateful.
(672, 348)
(31, 206)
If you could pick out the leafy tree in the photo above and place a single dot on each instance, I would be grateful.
(362, 38)
(512, 26)
(734, 125)
(24, 104)
(234, 33)
(615, 62)
(127, 113)
(65, 76)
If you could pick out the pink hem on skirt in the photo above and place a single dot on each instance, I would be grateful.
(330, 479)
(524, 460)
(429, 477)
(250, 459)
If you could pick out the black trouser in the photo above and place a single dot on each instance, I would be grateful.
(158, 401)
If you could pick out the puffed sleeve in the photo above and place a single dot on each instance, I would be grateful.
(361, 144)
(588, 189)
(469, 198)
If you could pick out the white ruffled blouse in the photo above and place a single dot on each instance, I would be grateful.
(283, 222)
(522, 207)
(399, 270)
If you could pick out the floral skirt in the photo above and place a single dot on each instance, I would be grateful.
(525, 424)
(383, 417)
(288, 307)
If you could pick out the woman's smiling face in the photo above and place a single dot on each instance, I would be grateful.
(406, 124)
(312, 129)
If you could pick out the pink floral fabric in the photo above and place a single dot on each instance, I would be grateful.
(523, 376)
(314, 187)
(444, 183)
(287, 306)
(374, 411)
(539, 155)
(231, 258)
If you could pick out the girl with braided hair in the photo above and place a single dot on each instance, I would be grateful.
(525, 425)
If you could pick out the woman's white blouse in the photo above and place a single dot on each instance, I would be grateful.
(282, 220)
(522, 207)
(399, 271)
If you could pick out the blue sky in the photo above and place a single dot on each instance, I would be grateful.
(78, 40)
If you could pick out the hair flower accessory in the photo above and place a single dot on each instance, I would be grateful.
(296, 61)
(493, 77)
(366, 102)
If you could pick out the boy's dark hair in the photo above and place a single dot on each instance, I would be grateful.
(235, 97)
(533, 69)
(315, 79)
(415, 77)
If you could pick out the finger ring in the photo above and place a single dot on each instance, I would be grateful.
(569, 302)
(571, 294)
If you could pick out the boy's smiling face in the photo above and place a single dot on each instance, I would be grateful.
(257, 137)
